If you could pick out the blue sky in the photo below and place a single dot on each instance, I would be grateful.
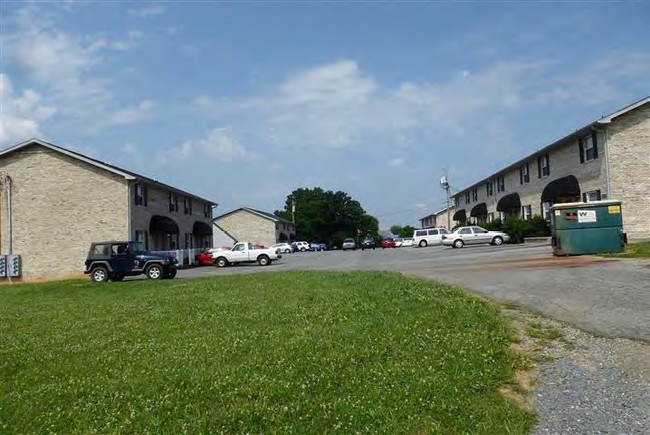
(243, 102)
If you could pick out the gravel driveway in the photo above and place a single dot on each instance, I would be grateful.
(601, 385)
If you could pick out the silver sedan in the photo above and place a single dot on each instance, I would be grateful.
(474, 236)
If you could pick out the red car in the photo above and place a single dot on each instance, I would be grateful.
(204, 258)
(387, 243)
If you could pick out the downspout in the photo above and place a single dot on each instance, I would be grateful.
(8, 188)
(607, 169)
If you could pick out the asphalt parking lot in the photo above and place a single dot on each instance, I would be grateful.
(607, 297)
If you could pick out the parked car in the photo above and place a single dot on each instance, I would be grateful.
(204, 258)
(245, 252)
(349, 243)
(388, 243)
(407, 243)
(429, 236)
(300, 246)
(474, 235)
(398, 242)
(368, 243)
(115, 260)
(316, 246)
(285, 248)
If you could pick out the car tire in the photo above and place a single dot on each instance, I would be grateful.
(458, 243)
(155, 271)
(422, 244)
(263, 260)
(99, 274)
(117, 277)
(497, 241)
(287, 251)
(303, 250)
(221, 262)
(170, 274)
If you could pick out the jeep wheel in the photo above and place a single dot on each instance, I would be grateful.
(221, 262)
(263, 260)
(99, 274)
(155, 271)
(170, 274)
(423, 243)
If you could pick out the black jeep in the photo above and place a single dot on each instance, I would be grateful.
(115, 260)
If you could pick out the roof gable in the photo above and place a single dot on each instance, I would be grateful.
(128, 175)
(262, 214)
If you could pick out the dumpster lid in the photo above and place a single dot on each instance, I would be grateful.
(590, 204)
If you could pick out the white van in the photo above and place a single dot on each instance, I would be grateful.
(430, 236)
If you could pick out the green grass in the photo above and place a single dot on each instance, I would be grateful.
(301, 352)
(633, 250)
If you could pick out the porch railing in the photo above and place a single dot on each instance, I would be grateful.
(185, 257)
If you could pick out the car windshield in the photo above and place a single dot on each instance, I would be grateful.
(348, 241)
(137, 248)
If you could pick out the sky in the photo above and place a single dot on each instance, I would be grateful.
(243, 102)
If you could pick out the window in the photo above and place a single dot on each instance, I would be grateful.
(543, 167)
(142, 237)
(479, 230)
(173, 202)
(475, 194)
(140, 195)
(490, 217)
(420, 233)
(172, 240)
(433, 232)
(592, 196)
(119, 249)
(489, 188)
(588, 147)
(187, 206)
(188, 241)
(207, 211)
(526, 212)
(524, 174)
(465, 231)
(467, 198)
(546, 210)
(501, 184)
(456, 201)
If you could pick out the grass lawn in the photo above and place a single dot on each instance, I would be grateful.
(299, 352)
(634, 250)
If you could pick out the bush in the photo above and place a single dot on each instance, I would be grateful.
(518, 229)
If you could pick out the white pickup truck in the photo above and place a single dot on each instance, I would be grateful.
(244, 252)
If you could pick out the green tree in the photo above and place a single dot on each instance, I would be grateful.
(327, 216)
(407, 231)
(396, 229)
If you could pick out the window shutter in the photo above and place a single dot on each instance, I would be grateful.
(594, 138)
(584, 197)
(539, 167)
(598, 195)
(581, 149)
(144, 194)
(521, 175)
(135, 194)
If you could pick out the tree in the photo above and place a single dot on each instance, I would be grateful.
(327, 216)
(404, 232)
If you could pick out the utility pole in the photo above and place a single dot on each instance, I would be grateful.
(293, 210)
(444, 183)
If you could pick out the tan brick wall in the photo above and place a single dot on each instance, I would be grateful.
(59, 206)
(563, 161)
(629, 154)
(158, 204)
(246, 226)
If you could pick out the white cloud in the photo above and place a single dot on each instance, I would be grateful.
(148, 10)
(20, 114)
(397, 161)
(219, 144)
(130, 115)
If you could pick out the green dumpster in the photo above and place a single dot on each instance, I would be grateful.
(579, 228)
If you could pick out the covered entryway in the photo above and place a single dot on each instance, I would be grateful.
(164, 233)
(282, 238)
(202, 234)
(460, 216)
(479, 213)
(510, 206)
(565, 189)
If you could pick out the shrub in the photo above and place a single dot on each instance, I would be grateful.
(518, 229)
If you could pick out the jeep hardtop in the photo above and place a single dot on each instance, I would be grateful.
(113, 260)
